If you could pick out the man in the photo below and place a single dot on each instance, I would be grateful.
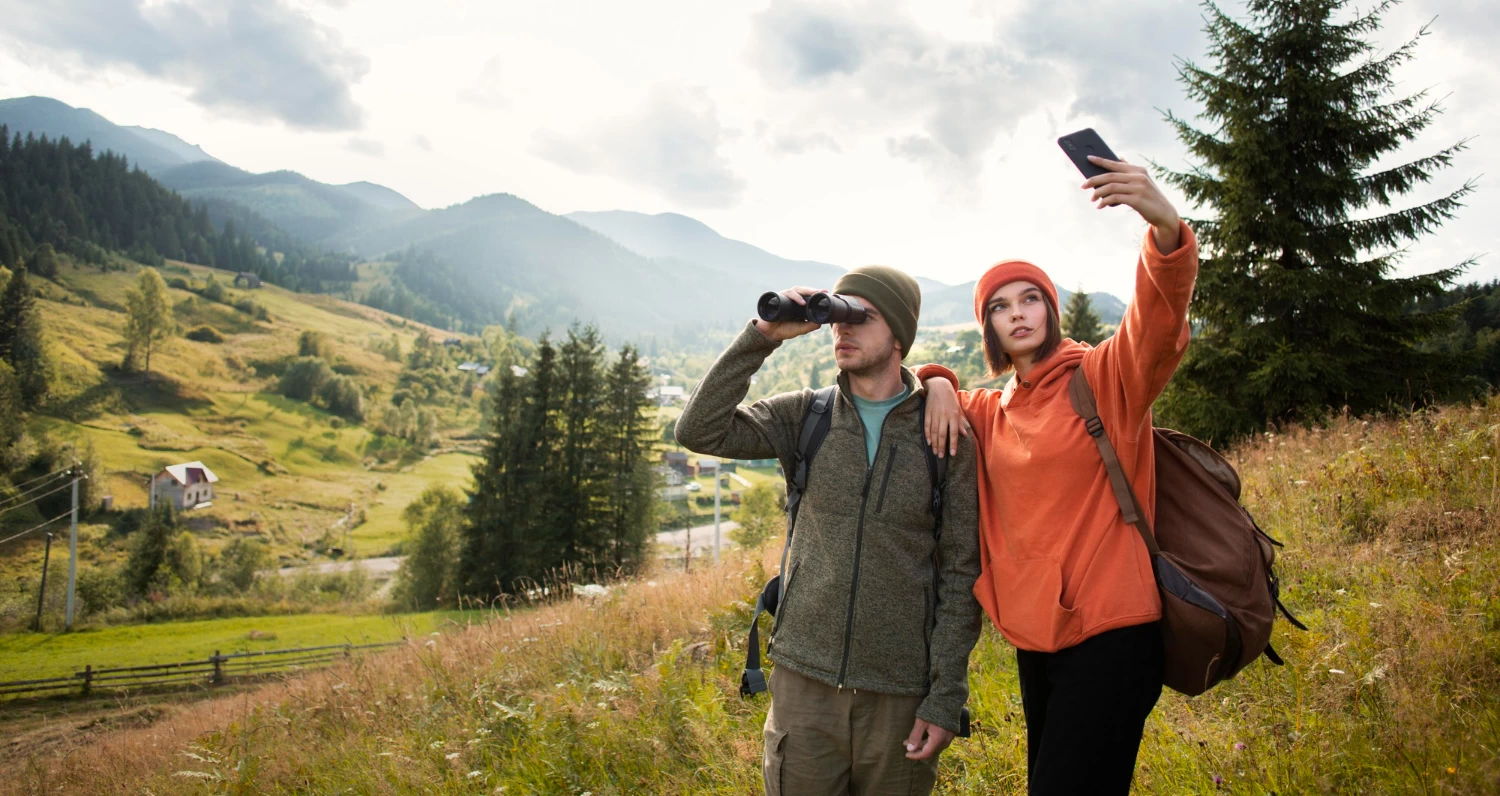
(871, 665)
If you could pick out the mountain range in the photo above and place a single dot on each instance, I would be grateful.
(633, 274)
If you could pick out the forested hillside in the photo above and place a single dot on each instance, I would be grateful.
(86, 204)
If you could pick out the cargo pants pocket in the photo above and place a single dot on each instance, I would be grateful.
(774, 759)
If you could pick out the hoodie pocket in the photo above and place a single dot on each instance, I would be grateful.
(1032, 615)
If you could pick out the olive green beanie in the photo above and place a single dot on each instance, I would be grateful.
(896, 295)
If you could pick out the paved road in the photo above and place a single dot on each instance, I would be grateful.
(378, 567)
(703, 537)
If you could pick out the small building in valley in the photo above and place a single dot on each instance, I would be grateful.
(184, 486)
(251, 280)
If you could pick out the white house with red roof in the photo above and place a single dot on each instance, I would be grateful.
(184, 486)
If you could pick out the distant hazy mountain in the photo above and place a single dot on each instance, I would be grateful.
(152, 150)
(690, 240)
(311, 210)
(189, 153)
(559, 271)
(633, 274)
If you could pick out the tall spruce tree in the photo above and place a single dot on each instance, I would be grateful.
(1079, 321)
(628, 468)
(508, 536)
(1296, 307)
(577, 497)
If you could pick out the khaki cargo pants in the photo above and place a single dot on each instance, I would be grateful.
(821, 740)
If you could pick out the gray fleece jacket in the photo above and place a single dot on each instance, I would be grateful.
(859, 610)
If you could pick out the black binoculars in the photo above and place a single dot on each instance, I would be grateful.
(820, 308)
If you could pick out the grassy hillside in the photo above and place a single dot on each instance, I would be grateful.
(289, 471)
(37, 655)
(1392, 557)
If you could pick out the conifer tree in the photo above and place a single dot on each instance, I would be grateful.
(1297, 308)
(577, 499)
(21, 340)
(149, 312)
(1079, 321)
(627, 454)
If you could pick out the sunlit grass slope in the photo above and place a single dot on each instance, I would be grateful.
(1392, 557)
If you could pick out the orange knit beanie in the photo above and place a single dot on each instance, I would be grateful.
(1003, 273)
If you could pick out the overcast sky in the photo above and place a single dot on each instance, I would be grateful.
(914, 134)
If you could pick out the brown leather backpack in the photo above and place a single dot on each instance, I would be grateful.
(1213, 564)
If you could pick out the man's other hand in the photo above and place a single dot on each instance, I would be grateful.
(926, 741)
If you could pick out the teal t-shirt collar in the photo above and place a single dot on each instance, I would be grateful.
(872, 414)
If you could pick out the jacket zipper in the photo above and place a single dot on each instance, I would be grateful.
(885, 479)
(859, 539)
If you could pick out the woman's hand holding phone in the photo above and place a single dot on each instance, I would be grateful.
(1132, 186)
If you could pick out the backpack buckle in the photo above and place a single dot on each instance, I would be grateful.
(752, 682)
(1094, 425)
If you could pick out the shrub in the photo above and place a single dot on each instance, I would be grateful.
(205, 334)
(304, 378)
(212, 290)
(240, 561)
(313, 344)
(178, 283)
(428, 576)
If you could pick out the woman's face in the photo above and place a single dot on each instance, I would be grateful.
(1018, 314)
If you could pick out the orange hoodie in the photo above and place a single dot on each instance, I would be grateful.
(1060, 563)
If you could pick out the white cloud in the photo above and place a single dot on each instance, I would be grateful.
(242, 57)
(670, 144)
(366, 146)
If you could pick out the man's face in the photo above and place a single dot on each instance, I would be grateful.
(868, 347)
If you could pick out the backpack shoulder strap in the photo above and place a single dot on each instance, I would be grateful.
(937, 472)
(1087, 408)
(815, 424)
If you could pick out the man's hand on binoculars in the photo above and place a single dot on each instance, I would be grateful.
(786, 330)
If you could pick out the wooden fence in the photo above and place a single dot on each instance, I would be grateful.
(216, 670)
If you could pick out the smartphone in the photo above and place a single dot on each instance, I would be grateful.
(1078, 146)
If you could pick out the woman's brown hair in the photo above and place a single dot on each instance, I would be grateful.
(999, 361)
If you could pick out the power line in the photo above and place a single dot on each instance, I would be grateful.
(44, 477)
(27, 492)
(9, 509)
(36, 527)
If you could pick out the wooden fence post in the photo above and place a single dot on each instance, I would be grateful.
(88, 678)
(218, 670)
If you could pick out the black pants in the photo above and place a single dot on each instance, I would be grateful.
(1086, 707)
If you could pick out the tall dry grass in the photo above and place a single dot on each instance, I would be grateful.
(1392, 557)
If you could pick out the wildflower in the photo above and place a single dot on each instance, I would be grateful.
(473, 774)
(1239, 746)
(1218, 780)
(451, 756)
(1335, 671)
(1300, 482)
(1452, 770)
(1374, 605)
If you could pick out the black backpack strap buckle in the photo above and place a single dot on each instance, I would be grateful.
(752, 682)
(1094, 425)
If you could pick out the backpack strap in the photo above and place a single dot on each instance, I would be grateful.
(1082, 397)
(815, 424)
(937, 475)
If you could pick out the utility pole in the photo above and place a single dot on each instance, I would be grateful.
(72, 552)
(718, 473)
(41, 593)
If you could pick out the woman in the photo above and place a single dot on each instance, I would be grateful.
(1065, 579)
